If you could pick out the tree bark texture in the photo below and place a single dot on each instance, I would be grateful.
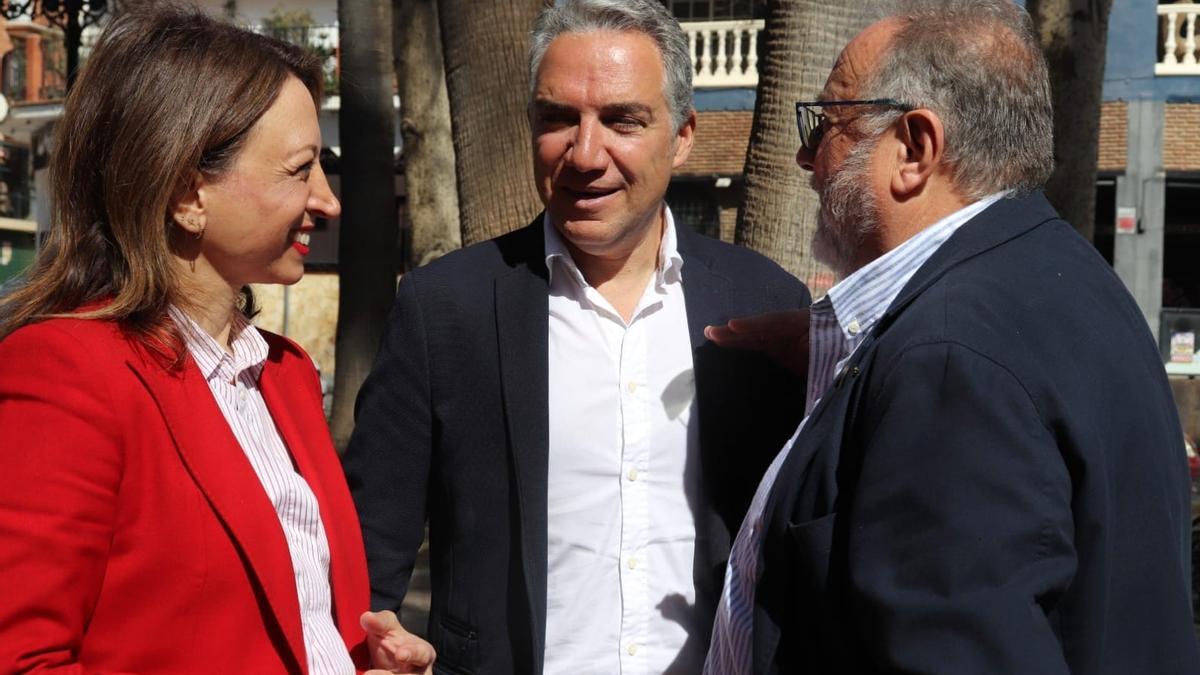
(802, 38)
(486, 49)
(367, 242)
(432, 196)
(1074, 34)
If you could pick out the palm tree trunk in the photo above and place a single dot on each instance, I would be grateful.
(432, 197)
(486, 48)
(1074, 35)
(802, 38)
(367, 242)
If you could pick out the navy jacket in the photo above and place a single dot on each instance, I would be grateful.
(452, 427)
(996, 482)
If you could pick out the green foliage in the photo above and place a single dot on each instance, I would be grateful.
(297, 27)
(282, 22)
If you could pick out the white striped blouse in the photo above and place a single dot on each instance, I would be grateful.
(233, 380)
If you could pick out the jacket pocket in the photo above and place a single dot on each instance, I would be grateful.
(816, 637)
(812, 544)
(457, 645)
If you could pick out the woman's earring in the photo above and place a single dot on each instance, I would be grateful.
(197, 233)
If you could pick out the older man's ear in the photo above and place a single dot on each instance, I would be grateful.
(920, 145)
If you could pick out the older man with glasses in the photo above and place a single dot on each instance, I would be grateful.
(989, 476)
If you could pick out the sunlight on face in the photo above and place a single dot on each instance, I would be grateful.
(603, 138)
(259, 214)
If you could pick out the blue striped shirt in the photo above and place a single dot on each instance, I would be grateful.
(838, 324)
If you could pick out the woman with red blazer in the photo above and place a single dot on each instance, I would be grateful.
(170, 501)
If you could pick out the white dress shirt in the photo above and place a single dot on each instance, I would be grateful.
(621, 535)
(233, 380)
(838, 324)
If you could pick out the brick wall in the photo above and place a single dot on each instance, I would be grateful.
(720, 147)
(722, 136)
(1181, 137)
(1114, 136)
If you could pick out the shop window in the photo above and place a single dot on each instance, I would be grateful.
(15, 70)
(1106, 215)
(14, 181)
(1181, 244)
(54, 69)
(695, 209)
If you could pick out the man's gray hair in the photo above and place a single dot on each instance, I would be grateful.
(978, 65)
(649, 17)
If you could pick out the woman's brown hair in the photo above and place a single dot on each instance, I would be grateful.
(167, 92)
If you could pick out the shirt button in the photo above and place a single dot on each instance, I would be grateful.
(632, 649)
(853, 327)
(633, 563)
(633, 474)
(631, 387)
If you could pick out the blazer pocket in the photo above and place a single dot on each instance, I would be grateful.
(812, 544)
(457, 645)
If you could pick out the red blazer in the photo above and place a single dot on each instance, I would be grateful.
(134, 535)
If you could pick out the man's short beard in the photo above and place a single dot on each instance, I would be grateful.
(848, 212)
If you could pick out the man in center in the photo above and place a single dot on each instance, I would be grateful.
(548, 402)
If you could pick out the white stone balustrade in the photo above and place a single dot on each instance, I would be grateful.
(724, 53)
(1179, 39)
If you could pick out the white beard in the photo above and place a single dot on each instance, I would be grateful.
(848, 212)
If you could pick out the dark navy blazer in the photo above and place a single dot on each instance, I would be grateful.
(996, 482)
(452, 426)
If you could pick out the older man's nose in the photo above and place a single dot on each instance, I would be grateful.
(804, 157)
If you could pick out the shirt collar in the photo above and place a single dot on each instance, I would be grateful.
(670, 262)
(861, 298)
(249, 347)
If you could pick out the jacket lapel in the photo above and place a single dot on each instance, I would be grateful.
(522, 327)
(705, 293)
(299, 419)
(217, 464)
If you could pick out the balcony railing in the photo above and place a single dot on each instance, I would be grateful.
(724, 53)
(1178, 48)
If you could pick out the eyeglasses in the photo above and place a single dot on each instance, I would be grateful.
(811, 124)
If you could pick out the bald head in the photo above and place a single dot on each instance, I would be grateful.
(978, 66)
(859, 60)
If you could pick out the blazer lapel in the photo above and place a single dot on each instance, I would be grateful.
(213, 457)
(705, 293)
(522, 326)
(301, 424)
(707, 301)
